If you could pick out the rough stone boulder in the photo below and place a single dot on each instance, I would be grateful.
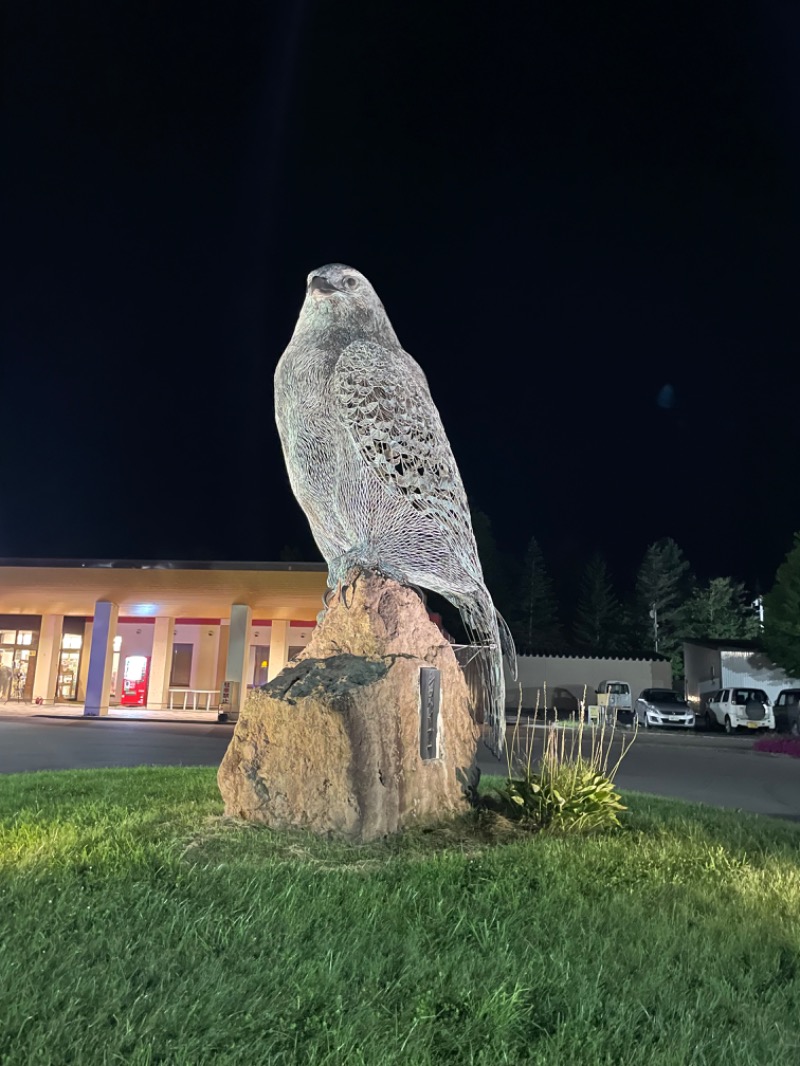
(333, 743)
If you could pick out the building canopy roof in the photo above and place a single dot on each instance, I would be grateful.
(172, 589)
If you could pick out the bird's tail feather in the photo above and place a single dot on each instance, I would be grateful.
(487, 629)
(508, 646)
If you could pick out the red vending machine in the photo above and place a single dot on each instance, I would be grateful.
(134, 681)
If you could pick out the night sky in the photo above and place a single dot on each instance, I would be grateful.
(583, 220)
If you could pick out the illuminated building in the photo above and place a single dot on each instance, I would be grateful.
(71, 630)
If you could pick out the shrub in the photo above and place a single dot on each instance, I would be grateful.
(779, 746)
(570, 789)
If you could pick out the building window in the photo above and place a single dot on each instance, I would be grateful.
(260, 664)
(181, 676)
(18, 637)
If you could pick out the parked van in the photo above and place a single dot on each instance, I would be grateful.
(619, 696)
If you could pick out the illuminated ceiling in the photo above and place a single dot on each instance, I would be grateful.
(280, 593)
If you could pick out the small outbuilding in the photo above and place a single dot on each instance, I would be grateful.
(710, 665)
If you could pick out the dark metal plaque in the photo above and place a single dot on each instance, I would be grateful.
(430, 688)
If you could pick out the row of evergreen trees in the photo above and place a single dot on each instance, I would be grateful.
(782, 614)
(666, 605)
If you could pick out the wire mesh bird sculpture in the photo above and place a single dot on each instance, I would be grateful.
(370, 464)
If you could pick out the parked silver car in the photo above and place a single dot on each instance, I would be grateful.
(662, 706)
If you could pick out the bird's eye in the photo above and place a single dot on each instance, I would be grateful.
(351, 282)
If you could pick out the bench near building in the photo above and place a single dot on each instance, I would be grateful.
(154, 635)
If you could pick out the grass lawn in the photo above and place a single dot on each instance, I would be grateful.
(139, 927)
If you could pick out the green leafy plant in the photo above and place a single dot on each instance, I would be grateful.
(571, 786)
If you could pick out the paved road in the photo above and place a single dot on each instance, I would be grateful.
(39, 743)
(705, 768)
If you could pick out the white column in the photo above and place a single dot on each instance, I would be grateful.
(48, 657)
(83, 669)
(238, 647)
(160, 664)
(222, 655)
(98, 681)
(278, 647)
(207, 649)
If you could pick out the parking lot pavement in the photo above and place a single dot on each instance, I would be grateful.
(707, 768)
(21, 709)
(701, 767)
(58, 743)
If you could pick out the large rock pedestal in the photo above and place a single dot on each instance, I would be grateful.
(332, 744)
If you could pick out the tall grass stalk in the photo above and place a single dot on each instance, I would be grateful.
(569, 787)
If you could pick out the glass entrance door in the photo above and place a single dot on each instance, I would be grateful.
(20, 689)
(16, 676)
(67, 687)
(16, 663)
(6, 671)
(69, 667)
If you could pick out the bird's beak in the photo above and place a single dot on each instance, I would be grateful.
(318, 284)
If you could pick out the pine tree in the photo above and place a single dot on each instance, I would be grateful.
(495, 564)
(534, 621)
(662, 587)
(782, 614)
(719, 611)
(598, 614)
(629, 640)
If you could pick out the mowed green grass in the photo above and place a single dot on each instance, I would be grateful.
(138, 926)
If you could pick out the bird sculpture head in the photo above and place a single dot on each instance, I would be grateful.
(340, 297)
(338, 279)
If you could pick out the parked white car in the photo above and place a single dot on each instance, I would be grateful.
(740, 708)
(662, 706)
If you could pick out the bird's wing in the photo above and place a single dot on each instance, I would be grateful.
(383, 400)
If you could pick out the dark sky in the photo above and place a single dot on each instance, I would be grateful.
(565, 208)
